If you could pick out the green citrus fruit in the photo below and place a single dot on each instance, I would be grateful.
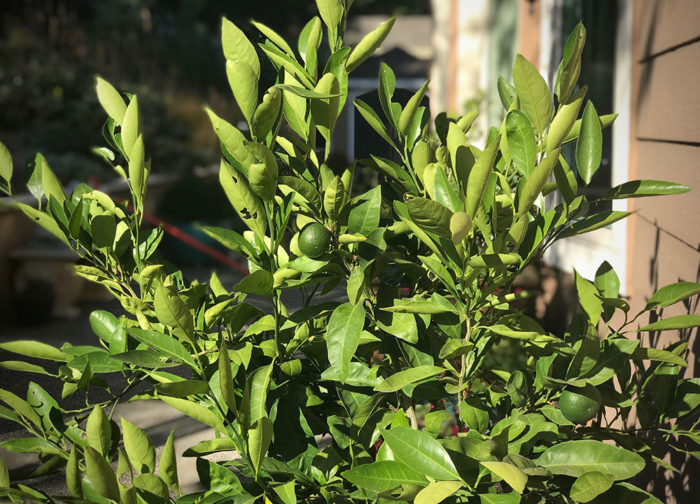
(579, 405)
(314, 240)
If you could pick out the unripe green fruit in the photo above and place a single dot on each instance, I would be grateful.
(314, 240)
(579, 405)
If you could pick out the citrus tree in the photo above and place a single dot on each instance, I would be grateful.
(399, 390)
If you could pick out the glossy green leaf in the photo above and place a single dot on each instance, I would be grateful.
(172, 311)
(259, 282)
(364, 216)
(99, 431)
(437, 491)
(606, 281)
(343, 336)
(369, 115)
(494, 260)
(589, 298)
(506, 92)
(521, 141)
(210, 446)
(627, 493)
(671, 294)
(574, 458)
(5, 163)
(605, 121)
(533, 93)
(325, 110)
(399, 380)
(334, 197)
(562, 123)
(110, 99)
(20, 406)
(430, 215)
(409, 111)
(259, 438)
(138, 447)
(244, 85)
(570, 66)
(421, 453)
(237, 47)
(226, 378)
(536, 181)
(387, 86)
(383, 475)
(182, 388)
(593, 222)
(509, 473)
(44, 220)
(163, 343)
(590, 485)
(73, 475)
(131, 127)
(35, 349)
(195, 410)
(642, 188)
(266, 113)
(672, 323)
(589, 147)
(369, 43)
(167, 467)
(100, 474)
(274, 37)
(479, 176)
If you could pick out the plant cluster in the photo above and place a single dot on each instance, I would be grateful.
(397, 392)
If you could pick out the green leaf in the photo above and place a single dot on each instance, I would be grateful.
(151, 485)
(24, 367)
(430, 215)
(73, 475)
(237, 47)
(628, 494)
(536, 181)
(373, 120)
(35, 349)
(131, 127)
(306, 93)
(182, 388)
(563, 121)
(210, 446)
(286, 492)
(593, 222)
(479, 176)
(403, 378)
(387, 86)
(325, 110)
(589, 298)
(230, 137)
(509, 498)
(107, 327)
(274, 37)
(672, 323)
(494, 260)
(364, 215)
(100, 474)
(521, 141)
(173, 312)
(607, 281)
(103, 228)
(259, 282)
(334, 197)
(32, 445)
(194, 410)
(506, 92)
(409, 111)
(642, 188)
(437, 491)
(110, 99)
(259, 438)
(163, 343)
(44, 220)
(244, 85)
(369, 43)
(20, 406)
(509, 473)
(589, 146)
(343, 336)
(138, 447)
(99, 431)
(533, 93)
(421, 453)
(383, 475)
(248, 206)
(5, 163)
(590, 485)
(267, 113)
(226, 378)
(672, 293)
(570, 66)
(259, 384)
(574, 458)
(168, 464)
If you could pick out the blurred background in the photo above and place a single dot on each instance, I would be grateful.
(640, 61)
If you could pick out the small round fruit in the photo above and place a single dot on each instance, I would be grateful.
(314, 240)
(579, 405)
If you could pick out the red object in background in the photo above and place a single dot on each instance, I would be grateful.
(193, 242)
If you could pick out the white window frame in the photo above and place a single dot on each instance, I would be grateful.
(586, 252)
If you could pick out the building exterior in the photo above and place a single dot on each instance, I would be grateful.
(642, 61)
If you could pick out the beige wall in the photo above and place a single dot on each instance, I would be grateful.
(664, 234)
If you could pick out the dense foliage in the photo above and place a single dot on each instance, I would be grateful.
(399, 392)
